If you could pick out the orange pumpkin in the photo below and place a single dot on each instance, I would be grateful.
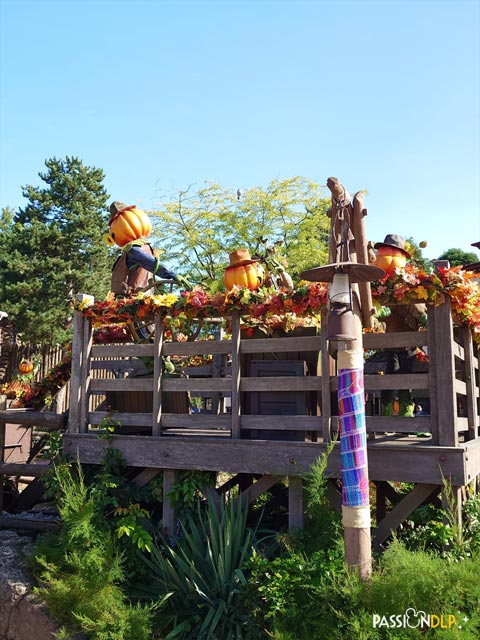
(25, 366)
(244, 275)
(130, 224)
(389, 259)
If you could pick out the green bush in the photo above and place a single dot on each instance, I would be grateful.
(80, 568)
(313, 597)
(201, 573)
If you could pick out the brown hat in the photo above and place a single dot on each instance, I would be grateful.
(239, 257)
(116, 208)
(392, 240)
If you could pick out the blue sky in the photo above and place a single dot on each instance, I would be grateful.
(164, 94)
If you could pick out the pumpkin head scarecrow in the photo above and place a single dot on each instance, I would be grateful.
(129, 229)
(391, 254)
(243, 271)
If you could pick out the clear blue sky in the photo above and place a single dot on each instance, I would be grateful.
(163, 94)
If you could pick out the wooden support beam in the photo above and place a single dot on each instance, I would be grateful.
(256, 489)
(401, 511)
(145, 476)
(295, 503)
(170, 477)
(452, 506)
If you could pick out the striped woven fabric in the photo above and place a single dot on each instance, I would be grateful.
(353, 438)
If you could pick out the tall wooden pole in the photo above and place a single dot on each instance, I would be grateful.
(353, 456)
(347, 232)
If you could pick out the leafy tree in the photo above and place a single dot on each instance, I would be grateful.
(53, 248)
(200, 228)
(458, 257)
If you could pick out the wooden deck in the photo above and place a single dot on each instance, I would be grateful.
(242, 433)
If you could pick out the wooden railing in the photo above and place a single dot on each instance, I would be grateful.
(451, 383)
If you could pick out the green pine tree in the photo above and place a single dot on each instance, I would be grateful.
(53, 248)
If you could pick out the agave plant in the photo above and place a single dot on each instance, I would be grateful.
(202, 571)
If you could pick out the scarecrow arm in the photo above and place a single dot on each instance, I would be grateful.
(138, 258)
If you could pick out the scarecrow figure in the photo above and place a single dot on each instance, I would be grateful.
(133, 270)
(391, 255)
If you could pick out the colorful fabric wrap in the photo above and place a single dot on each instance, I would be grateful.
(353, 438)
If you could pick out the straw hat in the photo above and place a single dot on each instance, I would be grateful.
(395, 241)
(239, 257)
(116, 208)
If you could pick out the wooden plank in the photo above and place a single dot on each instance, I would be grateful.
(48, 420)
(282, 383)
(197, 420)
(402, 510)
(396, 381)
(295, 503)
(34, 469)
(29, 524)
(281, 345)
(471, 385)
(395, 340)
(236, 376)
(127, 419)
(407, 460)
(278, 422)
(398, 424)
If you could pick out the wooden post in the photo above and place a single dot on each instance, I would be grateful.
(78, 380)
(356, 507)
(362, 257)
(295, 503)
(157, 378)
(326, 384)
(236, 375)
(3, 406)
(443, 409)
(355, 249)
(471, 384)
